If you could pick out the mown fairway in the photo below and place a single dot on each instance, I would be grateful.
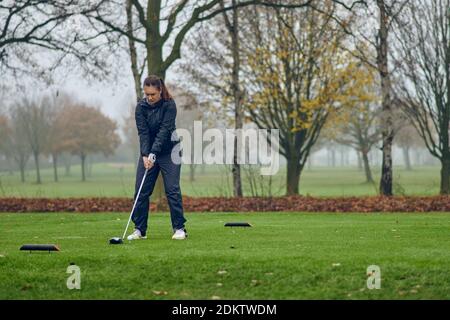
(283, 256)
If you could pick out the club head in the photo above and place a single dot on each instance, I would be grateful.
(115, 240)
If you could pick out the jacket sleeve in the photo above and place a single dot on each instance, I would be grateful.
(143, 130)
(166, 128)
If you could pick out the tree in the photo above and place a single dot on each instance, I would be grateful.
(357, 125)
(5, 131)
(387, 12)
(232, 25)
(406, 139)
(146, 31)
(16, 143)
(5, 134)
(188, 111)
(85, 130)
(32, 116)
(29, 26)
(423, 80)
(53, 147)
(130, 133)
(296, 77)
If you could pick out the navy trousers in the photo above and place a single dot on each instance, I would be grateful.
(171, 177)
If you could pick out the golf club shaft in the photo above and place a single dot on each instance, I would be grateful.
(135, 201)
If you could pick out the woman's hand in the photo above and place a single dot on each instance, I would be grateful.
(147, 163)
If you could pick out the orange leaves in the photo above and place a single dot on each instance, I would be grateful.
(83, 130)
(246, 204)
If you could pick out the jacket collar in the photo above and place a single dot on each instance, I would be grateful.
(152, 106)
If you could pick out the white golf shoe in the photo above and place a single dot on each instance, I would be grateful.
(136, 235)
(179, 234)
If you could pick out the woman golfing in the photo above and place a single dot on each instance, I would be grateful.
(155, 120)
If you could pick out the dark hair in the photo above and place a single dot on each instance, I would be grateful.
(157, 82)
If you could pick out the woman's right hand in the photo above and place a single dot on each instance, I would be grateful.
(147, 163)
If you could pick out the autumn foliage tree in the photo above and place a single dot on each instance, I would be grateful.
(423, 80)
(295, 78)
(357, 124)
(85, 130)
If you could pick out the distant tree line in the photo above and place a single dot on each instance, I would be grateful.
(51, 125)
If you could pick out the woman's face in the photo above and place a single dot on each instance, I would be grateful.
(152, 94)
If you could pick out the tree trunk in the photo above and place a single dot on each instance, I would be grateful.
(236, 171)
(358, 155)
(83, 160)
(293, 176)
(38, 172)
(89, 165)
(133, 52)
(310, 161)
(22, 161)
(386, 168)
(333, 157)
(22, 171)
(233, 28)
(55, 166)
(387, 132)
(192, 172)
(407, 158)
(365, 158)
(67, 169)
(445, 175)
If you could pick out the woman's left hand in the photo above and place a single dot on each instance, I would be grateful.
(147, 163)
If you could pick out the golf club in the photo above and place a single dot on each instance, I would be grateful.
(117, 240)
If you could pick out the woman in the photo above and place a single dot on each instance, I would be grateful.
(155, 120)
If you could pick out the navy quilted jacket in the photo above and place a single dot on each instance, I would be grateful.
(155, 125)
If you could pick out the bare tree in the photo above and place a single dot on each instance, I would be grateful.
(32, 26)
(384, 13)
(232, 25)
(32, 116)
(406, 139)
(130, 132)
(54, 146)
(423, 82)
(361, 133)
(189, 110)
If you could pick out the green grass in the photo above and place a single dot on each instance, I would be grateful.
(108, 181)
(284, 256)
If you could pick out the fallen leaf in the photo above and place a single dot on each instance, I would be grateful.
(160, 293)
(255, 282)
(26, 287)
(336, 264)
